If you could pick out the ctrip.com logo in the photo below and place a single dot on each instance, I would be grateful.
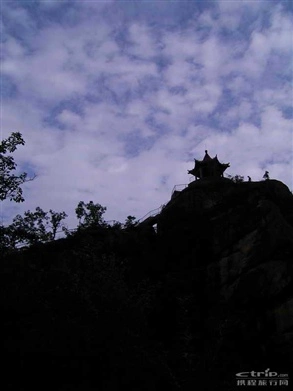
(264, 378)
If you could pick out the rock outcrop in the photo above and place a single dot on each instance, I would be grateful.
(209, 295)
(233, 242)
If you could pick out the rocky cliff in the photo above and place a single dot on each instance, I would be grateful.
(206, 297)
(229, 248)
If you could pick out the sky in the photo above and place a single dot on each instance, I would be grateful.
(115, 99)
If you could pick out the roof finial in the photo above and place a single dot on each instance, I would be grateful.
(206, 151)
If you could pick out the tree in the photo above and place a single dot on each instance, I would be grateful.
(130, 222)
(9, 182)
(7, 241)
(90, 214)
(236, 178)
(55, 221)
(31, 228)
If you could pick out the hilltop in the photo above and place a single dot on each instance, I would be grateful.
(205, 296)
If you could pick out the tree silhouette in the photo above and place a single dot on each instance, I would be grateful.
(130, 222)
(90, 214)
(9, 182)
(32, 227)
(236, 178)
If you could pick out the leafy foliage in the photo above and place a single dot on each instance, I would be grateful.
(236, 178)
(33, 227)
(130, 222)
(90, 214)
(85, 308)
(9, 182)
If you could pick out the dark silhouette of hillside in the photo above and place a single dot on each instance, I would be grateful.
(207, 296)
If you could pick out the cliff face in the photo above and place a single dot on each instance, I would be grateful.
(233, 245)
(207, 296)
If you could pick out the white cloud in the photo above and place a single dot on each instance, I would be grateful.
(83, 96)
(240, 112)
(69, 118)
(142, 42)
(213, 57)
(280, 33)
(280, 97)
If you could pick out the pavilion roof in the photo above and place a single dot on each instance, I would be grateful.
(208, 161)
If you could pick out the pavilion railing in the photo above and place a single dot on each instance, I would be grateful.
(156, 211)
(152, 213)
(179, 188)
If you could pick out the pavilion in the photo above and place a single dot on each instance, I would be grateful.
(208, 167)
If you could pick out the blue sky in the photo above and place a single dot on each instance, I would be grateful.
(115, 98)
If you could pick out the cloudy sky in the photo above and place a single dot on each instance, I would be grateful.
(116, 98)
